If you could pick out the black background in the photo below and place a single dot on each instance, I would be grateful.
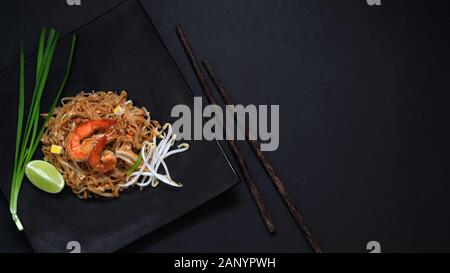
(364, 116)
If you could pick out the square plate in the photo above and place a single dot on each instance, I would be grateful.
(120, 50)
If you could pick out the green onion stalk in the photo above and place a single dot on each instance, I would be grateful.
(28, 135)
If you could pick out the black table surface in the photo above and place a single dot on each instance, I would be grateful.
(364, 117)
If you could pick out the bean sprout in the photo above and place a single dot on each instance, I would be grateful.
(153, 155)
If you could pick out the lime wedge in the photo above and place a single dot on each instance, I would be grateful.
(45, 176)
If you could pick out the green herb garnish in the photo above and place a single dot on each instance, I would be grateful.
(26, 145)
(134, 166)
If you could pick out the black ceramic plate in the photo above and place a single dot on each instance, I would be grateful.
(119, 50)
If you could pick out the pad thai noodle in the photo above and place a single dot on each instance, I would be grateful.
(99, 137)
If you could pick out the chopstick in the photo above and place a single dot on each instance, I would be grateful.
(256, 195)
(276, 180)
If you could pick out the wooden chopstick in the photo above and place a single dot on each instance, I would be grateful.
(267, 166)
(259, 201)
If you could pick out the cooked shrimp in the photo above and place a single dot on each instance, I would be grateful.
(102, 161)
(77, 148)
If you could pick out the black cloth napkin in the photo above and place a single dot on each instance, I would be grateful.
(120, 50)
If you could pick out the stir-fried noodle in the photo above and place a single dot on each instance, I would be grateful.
(125, 130)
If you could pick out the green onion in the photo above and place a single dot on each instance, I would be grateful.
(135, 165)
(19, 132)
(28, 136)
